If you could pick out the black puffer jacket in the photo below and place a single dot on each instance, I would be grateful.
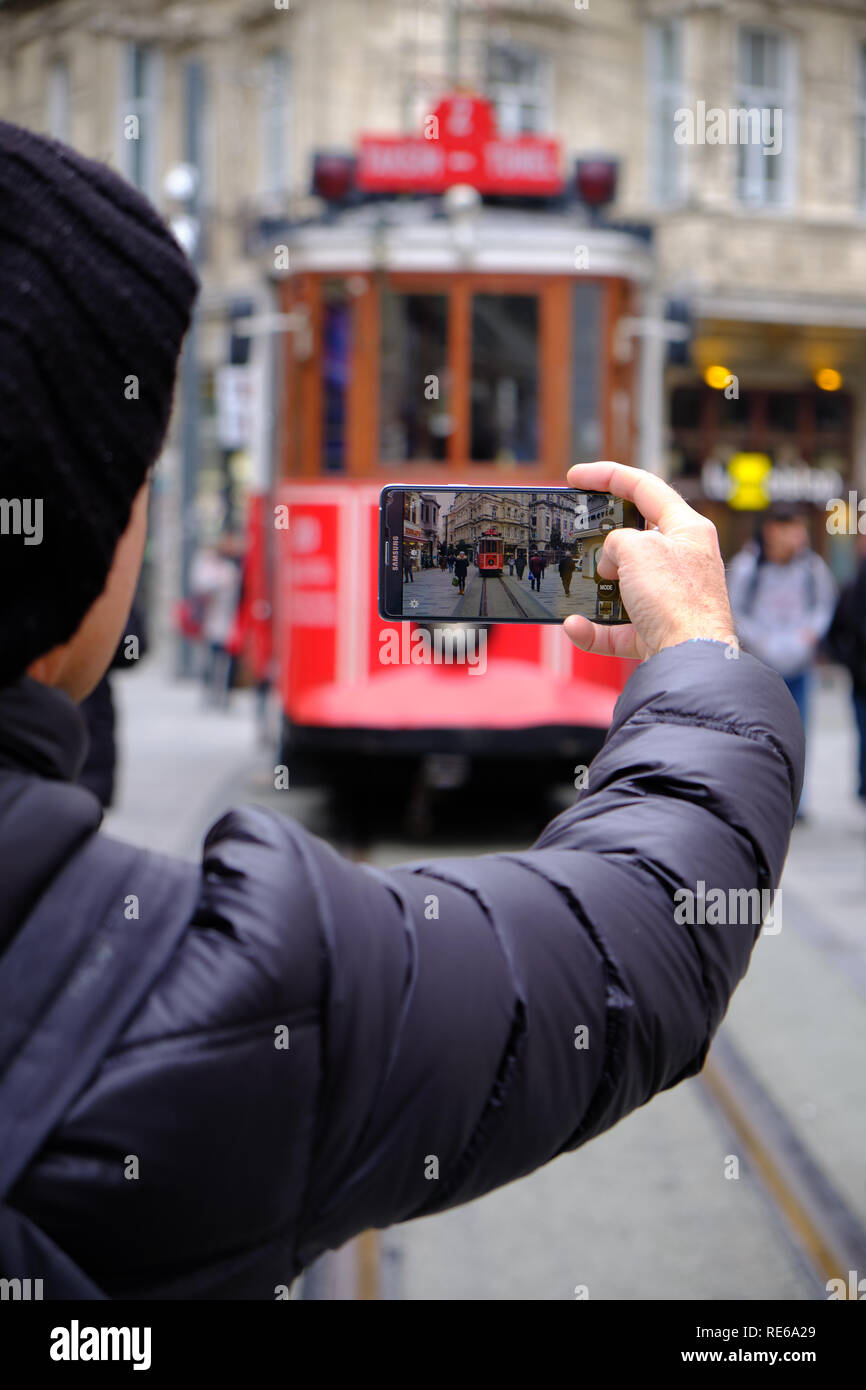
(433, 1008)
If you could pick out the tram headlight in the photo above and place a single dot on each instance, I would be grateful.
(456, 644)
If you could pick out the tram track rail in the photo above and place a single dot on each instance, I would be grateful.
(515, 602)
(822, 1223)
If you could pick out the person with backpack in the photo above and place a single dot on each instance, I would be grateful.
(783, 597)
(212, 1072)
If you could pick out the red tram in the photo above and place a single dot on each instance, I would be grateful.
(430, 350)
(490, 552)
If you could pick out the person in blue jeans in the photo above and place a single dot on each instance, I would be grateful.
(783, 597)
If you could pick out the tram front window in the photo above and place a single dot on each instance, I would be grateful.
(505, 377)
(414, 396)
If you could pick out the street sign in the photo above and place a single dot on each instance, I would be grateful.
(460, 145)
(234, 390)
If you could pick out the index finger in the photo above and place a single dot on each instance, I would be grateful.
(654, 499)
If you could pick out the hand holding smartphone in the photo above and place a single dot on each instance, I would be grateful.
(498, 555)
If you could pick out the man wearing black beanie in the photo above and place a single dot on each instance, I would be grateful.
(210, 1074)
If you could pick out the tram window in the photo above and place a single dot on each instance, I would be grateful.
(415, 422)
(505, 377)
(585, 374)
(336, 347)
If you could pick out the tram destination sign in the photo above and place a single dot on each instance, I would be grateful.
(460, 144)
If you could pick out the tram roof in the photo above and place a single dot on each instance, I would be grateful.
(418, 236)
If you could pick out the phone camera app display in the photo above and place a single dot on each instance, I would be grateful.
(518, 555)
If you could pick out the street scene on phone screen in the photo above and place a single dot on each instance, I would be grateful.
(508, 555)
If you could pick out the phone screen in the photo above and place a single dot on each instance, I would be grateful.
(504, 555)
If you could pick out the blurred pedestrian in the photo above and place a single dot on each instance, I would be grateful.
(520, 564)
(461, 569)
(846, 642)
(215, 578)
(566, 571)
(408, 567)
(783, 597)
(536, 570)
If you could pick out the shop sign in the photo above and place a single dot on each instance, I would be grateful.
(751, 481)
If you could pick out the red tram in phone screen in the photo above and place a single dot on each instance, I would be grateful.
(490, 552)
(419, 355)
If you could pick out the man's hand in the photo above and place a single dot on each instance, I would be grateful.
(672, 580)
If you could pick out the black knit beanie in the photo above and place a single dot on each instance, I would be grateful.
(95, 298)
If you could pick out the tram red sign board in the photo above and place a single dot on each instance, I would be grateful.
(460, 144)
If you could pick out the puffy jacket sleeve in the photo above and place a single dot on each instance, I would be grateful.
(479, 1016)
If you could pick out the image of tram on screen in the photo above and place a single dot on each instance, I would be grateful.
(499, 555)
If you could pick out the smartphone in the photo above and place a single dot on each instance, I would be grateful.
(498, 555)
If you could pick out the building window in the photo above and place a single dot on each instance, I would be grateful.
(59, 100)
(197, 151)
(764, 156)
(139, 117)
(276, 124)
(861, 124)
(518, 82)
(665, 83)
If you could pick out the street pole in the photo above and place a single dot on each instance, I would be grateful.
(655, 333)
(651, 390)
(184, 187)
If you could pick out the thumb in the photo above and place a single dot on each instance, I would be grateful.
(618, 546)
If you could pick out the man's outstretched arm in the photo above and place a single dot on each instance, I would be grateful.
(481, 1015)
